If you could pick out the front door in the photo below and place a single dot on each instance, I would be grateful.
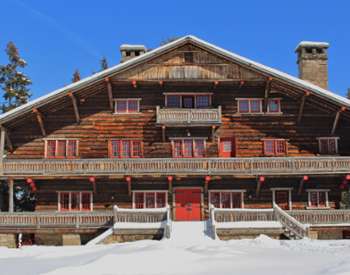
(282, 199)
(188, 204)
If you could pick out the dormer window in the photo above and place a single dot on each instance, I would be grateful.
(328, 145)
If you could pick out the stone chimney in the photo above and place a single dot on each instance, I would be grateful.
(313, 62)
(130, 51)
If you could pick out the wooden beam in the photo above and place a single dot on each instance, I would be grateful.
(260, 182)
(301, 107)
(110, 93)
(163, 133)
(267, 93)
(336, 120)
(40, 121)
(75, 106)
(213, 127)
(10, 183)
(301, 184)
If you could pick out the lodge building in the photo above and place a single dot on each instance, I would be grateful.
(186, 125)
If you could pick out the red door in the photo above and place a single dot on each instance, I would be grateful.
(282, 199)
(188, 204)
(227, 147)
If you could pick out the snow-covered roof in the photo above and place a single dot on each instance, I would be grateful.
(160, 50)
(312, 44)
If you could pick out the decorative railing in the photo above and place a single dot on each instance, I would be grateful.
(322, 216)
(244, 215)
(188, 116)
(293, 227)
(96, 219)
(127, 215)
(170, 166)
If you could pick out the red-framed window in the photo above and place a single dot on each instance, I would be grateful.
(75, 201)
(318, 198)
(249, 105)
(274, 105)
(275, 147)
(188, 100)
(328, 145)
(120, 148)
(188, 148)
(61, 148)
(150, 199)
(127, 105)
(226, 199)
(227, 147)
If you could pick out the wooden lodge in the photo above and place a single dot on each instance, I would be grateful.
(187, 131)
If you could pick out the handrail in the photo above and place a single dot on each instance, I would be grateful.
(321, 216)
(127, 215)
(169, 166)
(243, 215)
(290, 223)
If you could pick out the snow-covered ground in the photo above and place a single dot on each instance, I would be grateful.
(183, 255)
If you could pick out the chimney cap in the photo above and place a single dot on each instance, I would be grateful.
(132, 47)
(312, 44)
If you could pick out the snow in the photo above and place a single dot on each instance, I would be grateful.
(312, 44)
(141, 225)
(252, 224)
(259, 256)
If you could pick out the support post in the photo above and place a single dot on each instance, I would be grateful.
(163, 133)
(260, 182)
(267, 93)
(40, 121)
(11, 202)
(336, 120)
(301, 184)
(110, 93)
(301, 107)
(2, 147)
(213, 133)
(75, 107)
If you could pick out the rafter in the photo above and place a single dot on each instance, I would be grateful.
(301, 107)
(75, 106)
(110, 93)
(40, 120)
(336, 120)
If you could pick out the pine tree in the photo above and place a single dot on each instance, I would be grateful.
(76, 76)
(104, 63)
(12, 82)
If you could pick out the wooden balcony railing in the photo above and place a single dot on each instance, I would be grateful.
(322, 216)
(171, 116)
(171, 166)
(243, 215)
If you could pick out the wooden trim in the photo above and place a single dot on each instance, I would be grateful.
(2, 143)
(110, 93)
(267, 93)
(289, 189)
(80, 192)
(56, 148)
(144, 197)
(301, 107)
(40, 120)
(127, 108)
(319, 139)
(326, 191)
(336, 120)
(10, 183)
(220, 191)
(120, 145)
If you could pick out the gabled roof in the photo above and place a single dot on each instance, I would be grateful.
(165, 48)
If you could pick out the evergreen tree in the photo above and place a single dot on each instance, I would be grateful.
(104, 63)
(12, 82)
(76, 76)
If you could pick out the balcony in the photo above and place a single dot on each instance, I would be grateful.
(172, 166)
(188, 117)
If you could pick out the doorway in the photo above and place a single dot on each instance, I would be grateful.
(188, 204)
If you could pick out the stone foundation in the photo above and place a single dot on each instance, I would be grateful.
(332, 232)
(8, 240)
(71, 239)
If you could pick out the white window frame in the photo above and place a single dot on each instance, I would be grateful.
(279, 106)
(309, 206)
(289, 189)
(336, 139)
(144, 197)
(70, 201)
(261, 106)
(172, 139)
(241, 191)
(127, 111)
(56, 150)
(188, 94)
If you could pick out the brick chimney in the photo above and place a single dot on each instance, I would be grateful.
(130, 51)
(313, 62)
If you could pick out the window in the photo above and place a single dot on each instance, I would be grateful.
(318, 198)
(75, 201)
(129, 105)
(250, 105)
(188, 57)
(150, 199)
(188, 100)
(275, 147)
(227, 147)
(188, 148)
(328, 145)
(282, 196)
(61, 148)
(126, 149)
(274, 106)
(227, 199)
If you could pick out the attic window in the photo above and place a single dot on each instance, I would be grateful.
(188, 56)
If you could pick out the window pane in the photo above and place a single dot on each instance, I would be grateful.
(64, 201)
(133, 106)
(269, 147)
(215, 199)
(121, 106)
(274, 105)
(61, 150)
(313, 199)
(126, 152)
(322, 199)
(202, 101)
(150, 200)
(188, 148)
(199, 148)
(173, 101)
(227, 146)
(236, 200)
(177, 148)
(139, 200)
(115, 144)
(136, 149)
(86, 201)
(280, 147)
(243, 106)
(187, 101)
(332, 146)
(255, 106)
(161, 199)
(226, 200)
(75, 201)
(323, 146)
(51, 148)
(72, 148)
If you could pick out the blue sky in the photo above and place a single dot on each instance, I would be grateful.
(57, 37)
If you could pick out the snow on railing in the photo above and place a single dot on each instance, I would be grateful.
(243, 215)
(321, 216)
(168, 224)
(291, 224)
(212, 220)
